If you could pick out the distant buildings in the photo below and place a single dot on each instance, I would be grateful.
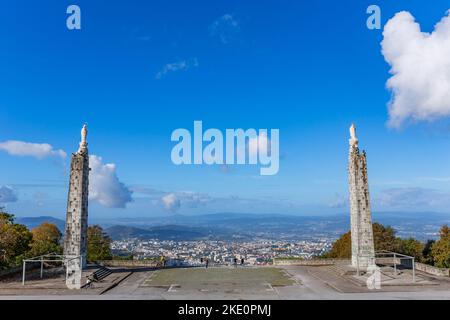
(258, 252)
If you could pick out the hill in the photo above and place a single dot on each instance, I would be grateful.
(33, 222)
(168, 232)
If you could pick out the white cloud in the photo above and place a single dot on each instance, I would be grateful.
(177, 66)
(37, 150)
(104, 185)
(413, 197)
(173, 201)
(225, 28)
(7, 194)
(420, 62)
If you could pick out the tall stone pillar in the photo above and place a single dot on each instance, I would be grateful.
(75, 237)
(363, 249)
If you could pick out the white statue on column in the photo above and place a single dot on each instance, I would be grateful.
(353, 139)
(83, 143)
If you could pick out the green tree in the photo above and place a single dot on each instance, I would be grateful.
(46, 239)
(14, 240)
(383, 237)
(411, 247)
(427, 254)
(441, 249)
(99, 244)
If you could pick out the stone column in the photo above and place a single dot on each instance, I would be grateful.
(75, 238)
(363, 249)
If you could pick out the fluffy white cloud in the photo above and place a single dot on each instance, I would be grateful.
(420, 62)
(37, 150)
(173, 201)
(177, 66)
(104, 185)
(7, 194)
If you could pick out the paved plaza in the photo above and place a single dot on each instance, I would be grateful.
(226, 278)
(265, 283)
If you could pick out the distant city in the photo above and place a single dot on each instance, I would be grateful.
(260, 252)
(255, 238)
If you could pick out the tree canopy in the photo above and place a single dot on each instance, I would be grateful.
(342, 248)
(46, 239)
(99, 244)
(441, 249)
(411, 247)
(14, 240)
(17, 242)
(383, 237)
(432, 252)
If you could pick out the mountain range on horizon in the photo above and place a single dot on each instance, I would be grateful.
(242, 226)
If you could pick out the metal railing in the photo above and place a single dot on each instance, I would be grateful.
(394, 255)
(51, 257)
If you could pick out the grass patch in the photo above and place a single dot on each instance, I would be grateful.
(219, 277)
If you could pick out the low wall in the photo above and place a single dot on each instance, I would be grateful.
(130, 263)
(327, 262)
(432, 270)
(311, 262)
(9, 272)
(19, 269)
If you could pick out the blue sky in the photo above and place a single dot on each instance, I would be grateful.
(137, 70)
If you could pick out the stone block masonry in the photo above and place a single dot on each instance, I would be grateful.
(75, 238)
(130, 263)
(308, 262)
(363, 248)
(440, 272)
